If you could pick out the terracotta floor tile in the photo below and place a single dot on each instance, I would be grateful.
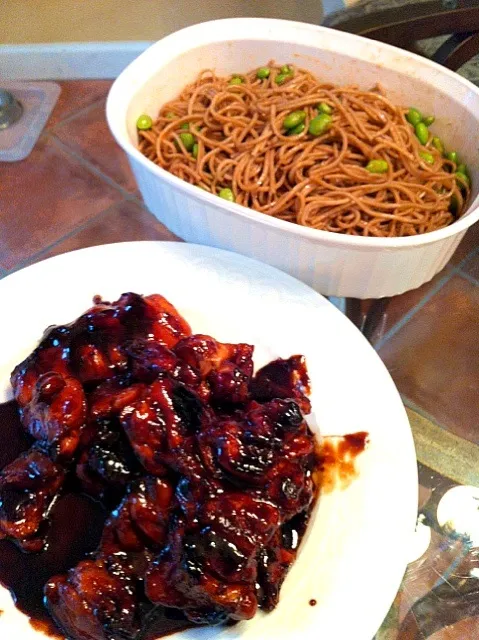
(88, 135)
(44, 197)
(126, 221)
(399, 306)
(434, 358)
(76, 95)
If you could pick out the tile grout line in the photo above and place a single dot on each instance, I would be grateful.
(34, 258)
(468, 277)
(88, 165)
(410, 404)
(73, 115)
(412, 312)
(466, 259)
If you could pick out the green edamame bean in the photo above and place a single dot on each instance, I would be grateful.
(185, 125)
(320, 124)
(414, 116)
(429, 120)
(377, 166)
(194, 151)
(285, 69)
(463, 178)
(144, 122)
(227, 194)
(293, 119)
(325, 108)
(263, 73)
(281, 77)
(427, 157)
(437, 144)
(296, 130)
(453, 156)
(188, 141)
(422, 132)
(236, 80)
(461, 168)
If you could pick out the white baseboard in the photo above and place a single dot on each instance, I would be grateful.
(67, 61)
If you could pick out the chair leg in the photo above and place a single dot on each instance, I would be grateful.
(354, 311)
(369, 322)
(374, 316)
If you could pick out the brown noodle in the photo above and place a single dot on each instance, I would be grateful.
(319, 182)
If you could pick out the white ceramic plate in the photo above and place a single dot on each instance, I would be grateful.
(355, 551)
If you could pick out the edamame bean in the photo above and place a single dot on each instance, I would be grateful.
(377, 166)
(320, 124)
(263, 73)
(227, 194)
(452, 156)
(285, 69)
(281, 77)
(414, 116)
(422, 132)
(188, 140)
(437, 144)
(427, 157)
(293, 119)
(144, 122)
(463, 178)
(194, 151)
(236, 80)
(296, 130)
(429, 120)
(461, 168)
(325, 108)
(185, 125)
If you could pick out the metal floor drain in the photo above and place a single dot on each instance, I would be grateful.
(36, 101)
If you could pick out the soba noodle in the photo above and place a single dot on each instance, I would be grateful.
(317, 181)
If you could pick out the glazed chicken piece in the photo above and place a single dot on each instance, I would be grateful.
(108, 464)
(161, 426)
(93, 603)
(225, 368)
(90, 350)
(283, 379)
(28, 487)
(98, 599)
(209, 566)
(141, 520)
(56, 414)
(268, 446)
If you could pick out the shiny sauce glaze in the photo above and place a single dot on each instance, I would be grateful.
(75, 527)
(77, 521)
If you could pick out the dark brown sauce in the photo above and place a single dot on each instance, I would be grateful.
(313, 602)
(77, 521)
(337, 456)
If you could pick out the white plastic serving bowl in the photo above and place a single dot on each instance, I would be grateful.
(331, 263)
